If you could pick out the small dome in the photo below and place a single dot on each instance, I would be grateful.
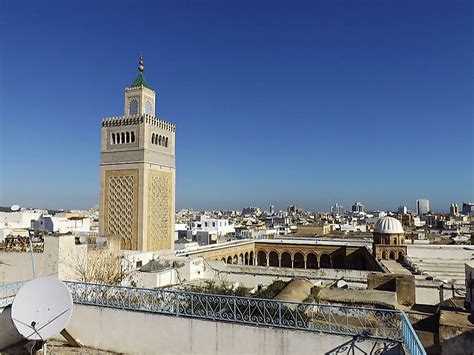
(388, 225)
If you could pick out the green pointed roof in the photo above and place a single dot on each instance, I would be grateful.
(140, 81)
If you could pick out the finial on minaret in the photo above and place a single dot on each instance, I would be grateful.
(141, 67)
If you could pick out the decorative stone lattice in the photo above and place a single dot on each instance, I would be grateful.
(160, 209)
(121, 206)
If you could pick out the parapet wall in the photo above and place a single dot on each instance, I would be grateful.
(137, 332)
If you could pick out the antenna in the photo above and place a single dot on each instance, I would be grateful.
(42, 308)
(15, 208)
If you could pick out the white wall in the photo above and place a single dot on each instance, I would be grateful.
(156, 279)
(140, 333)
(441, 251)
(59, 259)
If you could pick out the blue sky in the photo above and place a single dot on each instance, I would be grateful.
(311, 102)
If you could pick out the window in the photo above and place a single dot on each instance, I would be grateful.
(128, 137)
(113, 138)
(148, 108)
(153, 138)
(123, 137)
(133, 107)
(132, 137)
(139, 263)
(159, 140)
(118, 138)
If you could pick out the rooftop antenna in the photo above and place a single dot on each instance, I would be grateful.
(42, 309)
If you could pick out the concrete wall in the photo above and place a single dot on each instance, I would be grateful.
(138, 332)
(440, 251)
(60, 258)
(16, 266)
(251, 276)
(432, 292)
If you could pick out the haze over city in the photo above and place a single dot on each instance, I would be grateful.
(308, 103)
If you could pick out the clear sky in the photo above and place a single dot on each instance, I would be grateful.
(310, 103)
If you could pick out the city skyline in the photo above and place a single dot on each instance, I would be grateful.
(256, 126)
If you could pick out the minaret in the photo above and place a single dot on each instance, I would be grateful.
(137, 173)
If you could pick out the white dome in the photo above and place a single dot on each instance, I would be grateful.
(388, 225)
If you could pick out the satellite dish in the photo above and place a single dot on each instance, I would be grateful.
(15, 208)
(341, 284)
(42, 308)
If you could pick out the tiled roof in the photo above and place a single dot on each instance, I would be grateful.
(140, 81)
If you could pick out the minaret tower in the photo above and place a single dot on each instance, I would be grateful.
(137, 173)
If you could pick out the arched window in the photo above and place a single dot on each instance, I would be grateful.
(113, 138)
(132, 136)
(166, 142)
(159, 140)
(229, 260)
(325, 261)
(273, 259)
(148, 108)
(123, 138)
(311, 261)
(118, 138)
(133, 107)
(153, 138)
(128, 137)
(298, 261)
(261, 258)
(285, 260)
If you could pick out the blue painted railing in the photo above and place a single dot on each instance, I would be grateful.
(410, 339)
(384, 324)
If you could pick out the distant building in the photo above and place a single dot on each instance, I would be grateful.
(55, 224)
(454, 209)
(292, 209)
(422, 206)
(337, 210)
(248, 211)
(402, 210)
(467, 208)
(272, 209)
(217, 226)
(389, 239)
(357, 207)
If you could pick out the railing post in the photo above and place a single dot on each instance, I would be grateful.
(279, 313)
(177, 303)
(234, 316)
(329, 318)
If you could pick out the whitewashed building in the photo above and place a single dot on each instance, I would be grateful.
(215, 226)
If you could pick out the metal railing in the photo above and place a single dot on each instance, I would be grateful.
(344, 320)
(374, 323)
(410, 339)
